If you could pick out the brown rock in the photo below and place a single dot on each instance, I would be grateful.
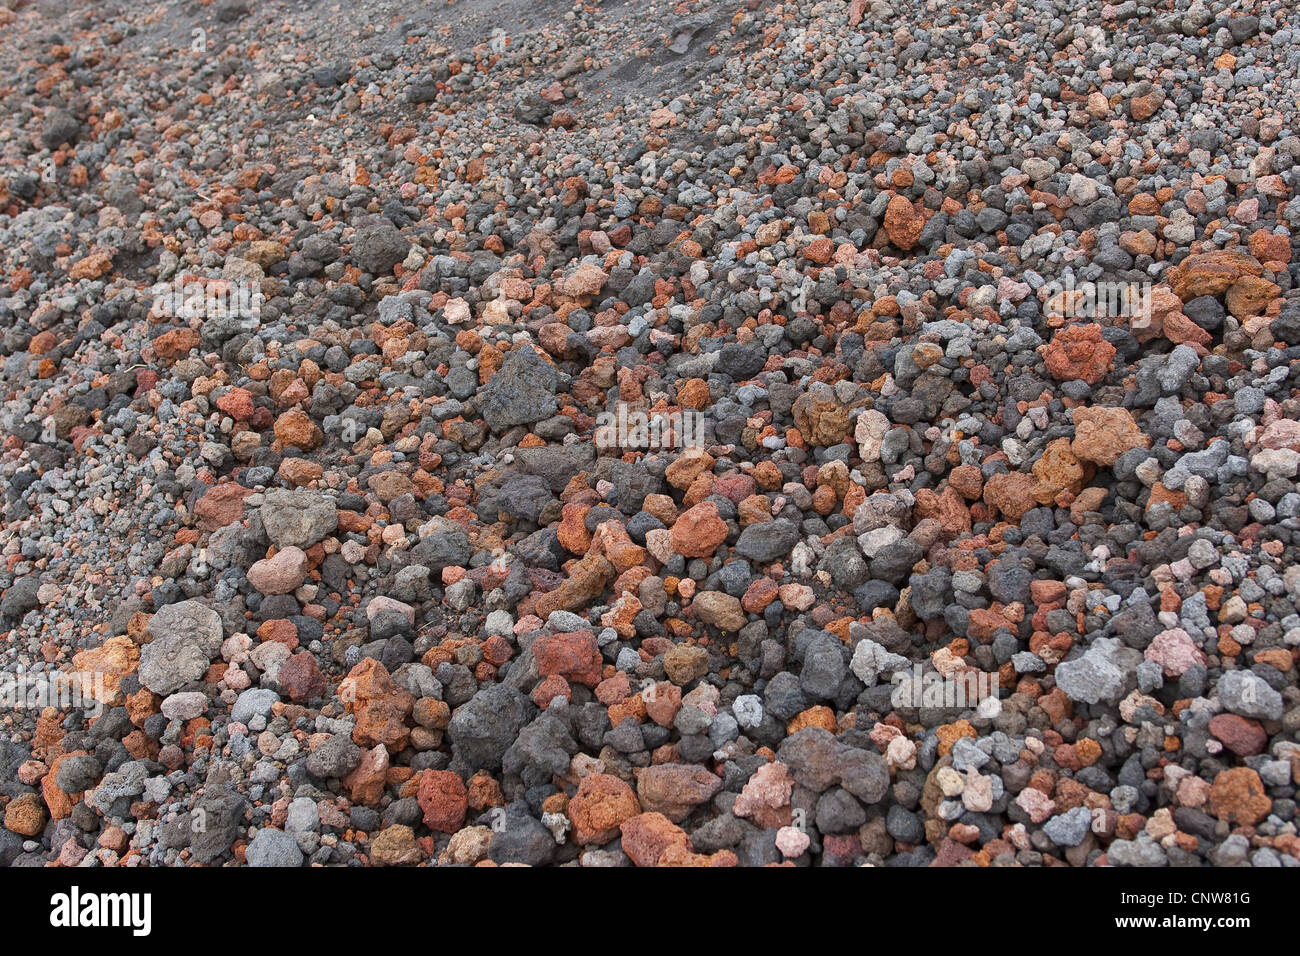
(662, 703)
(587, 280)
(115, 839)
(1144, 106)
(675, 789)
(601, 805)
(1011, 494)
(1238, 797)
(1179, 329)
(279, 630)
(1139, 243)
(1266, 247)
(265, 253)
(296, 428)
(1102, 435)
(25, 815)
(1243, 737)
(1057, 471)
(396, 846)
(58, 802)
(1089, 499)
(432, 713)
(245, 444)
(237, 403)
(93, 266)
(688, 466)
(389, 484)
(612, 540)
(484, 791)
(1078, 352)
(366, 782)
(719, 609)
(759, 595)
(821, 417)
(575, 657)
(662, 507)
(443, 798)
(622, 616)
(949, 734)
(1161, 494)
(816, 716)
(754, 510)
(1250, 295)
(379, 704)
(968, 480)
(648, 837)
(1211, 273)
(176, 344)
(1047, 592)
(221, 506)
(684, 663)
(301, 678)
(947, 507)
(584, 584)
(280, 574)
(819, 251)
(694, 394)
(903, 224)
(572, 533)
(299, 471)
(699, 531)
(99, 670)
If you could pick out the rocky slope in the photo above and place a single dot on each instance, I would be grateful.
(309, 314)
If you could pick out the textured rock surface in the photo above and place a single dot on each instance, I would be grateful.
(663, 435)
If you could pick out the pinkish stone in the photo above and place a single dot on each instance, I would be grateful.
(1037, 804)
(797, 597)
(528, 623)
(281, 574)
(1283, 433)
(765, 798)
(1174, 651)
(792, 842)
(381, 603)
(736, 487)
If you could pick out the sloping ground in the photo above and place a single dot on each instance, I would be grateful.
(310, 315)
